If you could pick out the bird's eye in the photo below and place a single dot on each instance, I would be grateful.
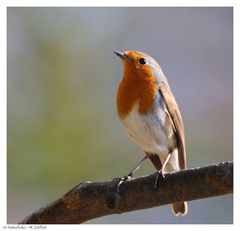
(142, 61)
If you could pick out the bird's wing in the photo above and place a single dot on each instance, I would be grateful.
(176, 118)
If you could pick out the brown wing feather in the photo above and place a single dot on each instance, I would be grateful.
(155, 161)
(176, 117)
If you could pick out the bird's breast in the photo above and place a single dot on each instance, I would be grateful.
(149, 131)
(131, 92)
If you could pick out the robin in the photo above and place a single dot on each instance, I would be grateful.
(151, 117)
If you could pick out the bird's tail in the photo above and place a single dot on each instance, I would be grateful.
(180, 208)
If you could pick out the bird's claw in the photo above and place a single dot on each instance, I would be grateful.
(123, 179)
(126, 178)
(158, 173)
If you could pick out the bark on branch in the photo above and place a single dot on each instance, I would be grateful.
(91, 200)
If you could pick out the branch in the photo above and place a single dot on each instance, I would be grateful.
(91, 200)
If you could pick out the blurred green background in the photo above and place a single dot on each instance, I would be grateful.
(62, 80)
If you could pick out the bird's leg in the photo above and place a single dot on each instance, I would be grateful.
(162, 172)
(129, 176)
(136, 167)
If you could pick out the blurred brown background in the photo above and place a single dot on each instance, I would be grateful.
(62, 79)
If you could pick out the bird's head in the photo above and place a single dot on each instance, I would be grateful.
(140, 65)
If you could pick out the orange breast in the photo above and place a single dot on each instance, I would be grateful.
(136, 87)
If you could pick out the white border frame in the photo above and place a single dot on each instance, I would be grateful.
(122, 3)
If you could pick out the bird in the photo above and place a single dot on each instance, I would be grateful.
(149, 114)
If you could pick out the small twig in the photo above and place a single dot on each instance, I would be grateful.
(91, 200)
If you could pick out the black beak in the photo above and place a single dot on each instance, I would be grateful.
(121, 55)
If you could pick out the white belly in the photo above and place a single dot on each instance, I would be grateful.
(148, 133)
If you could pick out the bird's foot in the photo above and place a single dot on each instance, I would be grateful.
(158, 173)
(123, 179)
